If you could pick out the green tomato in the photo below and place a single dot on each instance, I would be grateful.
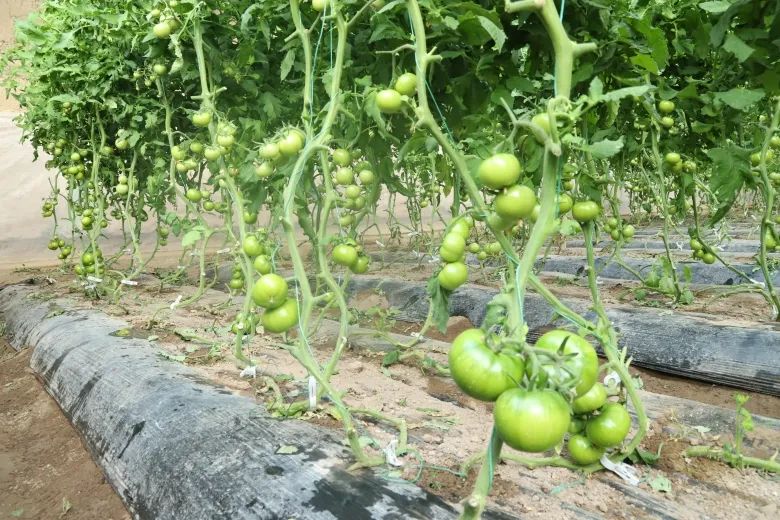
(319, 5)
(282, 318)
(696, 245)
(673, 158)
(252, 246)
(344, 254)
(585, 211)
(531, 420)
(479, 371)
(160, 69)
(361, 265)
(474, 248)
(615, 234)
(212, 153)
(452, 247)
(515, 202)
(666, 106)
(542, 120)
(461, 227)
(162, 30)
(196, 147)
(193, 195)
(262, 264)
(583, 363)
(499, 171)
(342, 157)
(565, 203)
(406, 84)
(582, 451)
(667, 122)
(628, 231)
(352, 191)
(178, 153)
(708, 258)
(270, 291)
(609, 427)
(236, 283)
(366, 177)
(493, 248)
(389, 101)
(576, 425)
(344, 176)
(453, 275)
(201, 119)
(291, 144)
(591, 400)
(270, 151)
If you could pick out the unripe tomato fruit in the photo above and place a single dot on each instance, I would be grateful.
(585, 211)
(461, 227)
(708, 258)
(531, 420)
(193, 195)
(565, 203)
(667, 122)
(672, 158)
(582, 451)
(591, 400)
(342, 157)
(264, 170)
(479, 371)
(584, 363)
(291, 144)
(361, 265)
(542, 120)
(453, 275)
(252, 246)
(162, 30)
(366, 177)
(628, 231)
(515, 202)
(262, 264)
(282, 318)
(389, 101)
(344, 254)
(453, 245)
(319, 5)
(609, 427)
(270, 291)
(499, 171)
(666, 106)
(406, 84)
(344, 176)
(201, 119)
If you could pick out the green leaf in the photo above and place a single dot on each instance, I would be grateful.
(604, 149)
(440, 304)
(740, 97)
(287, 64)
(494, 31)
(661, 484)
(737, 47)
(646, 62)
(391, 358)
(617, 95)
(730, 165)
(716, 6)
(191, 236)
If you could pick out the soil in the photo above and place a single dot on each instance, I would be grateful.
(445, 427)
(45, 470)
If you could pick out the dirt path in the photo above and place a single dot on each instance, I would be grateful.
(45, 471)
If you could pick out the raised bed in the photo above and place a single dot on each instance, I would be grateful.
(684, 344)
(174, 445)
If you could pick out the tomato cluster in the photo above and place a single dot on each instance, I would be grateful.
(541, 393)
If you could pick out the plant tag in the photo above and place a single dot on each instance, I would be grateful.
(94, 279)
(390, 456)
(622, 470)
(312, 393)
(129, 282)
(249, 372)
(176, 302)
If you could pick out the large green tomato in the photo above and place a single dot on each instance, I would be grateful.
(452, 247)
(282, 318)
(585, 211)
(531, 420)
(344, 176)
(461, 227)
(582, 451)
(591, 400)
(666, 106)
(542, 120)
(342, 157)
(479, 371)
(344, 254)
(361, 265)
(262, 264)
(389, 101)
(515, 202)
(499, 171)
(610, 426)
(252, 246)
(453, 275)
(565, 203)
(584, 363)
(270, 291)
(406, 84)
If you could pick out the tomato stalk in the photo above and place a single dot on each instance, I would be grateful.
(609, 345)
(768, 192)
